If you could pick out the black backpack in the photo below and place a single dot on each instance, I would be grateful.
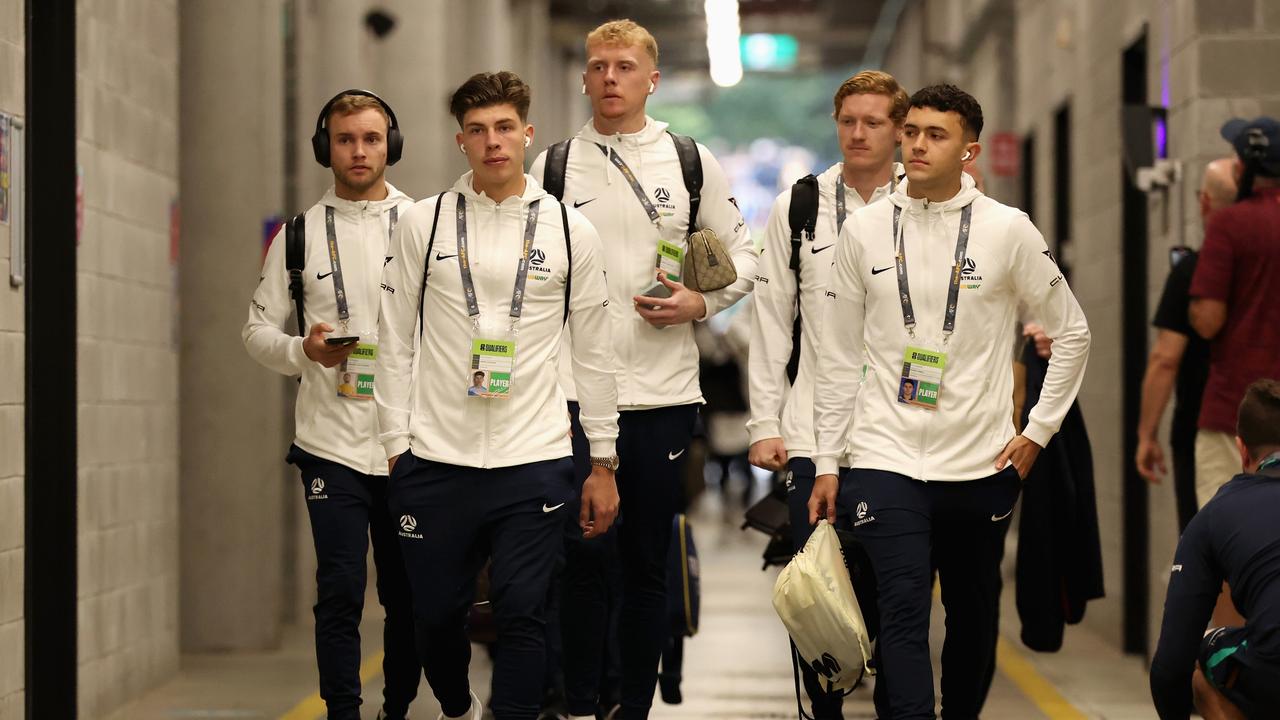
(686, 150)
(803, 220)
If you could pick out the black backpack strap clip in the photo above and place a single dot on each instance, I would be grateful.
(295, 259)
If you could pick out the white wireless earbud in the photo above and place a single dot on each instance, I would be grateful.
(462, 149)
(584, 88)
(652, 87)
(966, 157)
(528, 141)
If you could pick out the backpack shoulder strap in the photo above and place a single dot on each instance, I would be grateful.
(691, 169)
(553, 172)
(568, 271)
(295, 259)
(803, 215)
(426, 263)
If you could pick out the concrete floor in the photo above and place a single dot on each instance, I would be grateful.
(737, 666)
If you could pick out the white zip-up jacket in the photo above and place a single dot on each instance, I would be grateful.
(780, 409)
(1007, 263)
(340, 429)
(422, 386)
(656, 367)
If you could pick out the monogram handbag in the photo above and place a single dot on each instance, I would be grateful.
(707, 266)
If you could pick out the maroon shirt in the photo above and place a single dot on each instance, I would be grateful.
(1240, 265)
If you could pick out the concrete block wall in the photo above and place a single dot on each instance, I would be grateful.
(233, 488)
(12, 438)
(127, 127)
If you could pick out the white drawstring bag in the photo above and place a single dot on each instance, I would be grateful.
(814, 597)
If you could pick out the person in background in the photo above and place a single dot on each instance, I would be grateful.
(1179, 361)
(1230, 671)
(1234, 291)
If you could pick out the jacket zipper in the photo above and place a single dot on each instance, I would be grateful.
(364, 259)
(628, 360)
(488, 439)
(924, 425)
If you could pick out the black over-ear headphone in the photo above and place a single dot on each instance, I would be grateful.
(320, 140)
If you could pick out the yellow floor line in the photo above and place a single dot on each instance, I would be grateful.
(1011, 662)
(312, 707)
(1039, 691)
(1032, 684)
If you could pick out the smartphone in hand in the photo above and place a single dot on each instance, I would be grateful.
(347, 340)
(657, 290)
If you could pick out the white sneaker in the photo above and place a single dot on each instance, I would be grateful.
(475, 712)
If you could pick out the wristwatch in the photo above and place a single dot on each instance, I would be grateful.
(608, 463)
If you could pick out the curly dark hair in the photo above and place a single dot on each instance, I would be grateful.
(949, 98)
(486, 89)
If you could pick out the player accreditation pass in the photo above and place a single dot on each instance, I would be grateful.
(355, 380)
(670, 259)
(492, 362)
(921, 381)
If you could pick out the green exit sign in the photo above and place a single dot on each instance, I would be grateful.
(769, 51)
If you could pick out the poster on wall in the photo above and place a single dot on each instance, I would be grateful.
(4, 168)
(12, 212)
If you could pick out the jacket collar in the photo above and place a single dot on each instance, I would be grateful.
(651, 133)
(355, 207)
(968, 193)
(532, 191)
(897, 177)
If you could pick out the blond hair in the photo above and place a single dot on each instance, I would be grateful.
(624, 33)
(348, 104)
(875, 82)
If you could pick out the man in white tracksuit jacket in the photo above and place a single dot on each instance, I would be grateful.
(869, 110)
(485, 470)
(344, 477)
(658, 391)
(924, 292)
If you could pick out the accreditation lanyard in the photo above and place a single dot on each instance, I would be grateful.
(631, 179)
(840, 207)
(522, 269)
(335, 264)
(953, 291)
(840, 204)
